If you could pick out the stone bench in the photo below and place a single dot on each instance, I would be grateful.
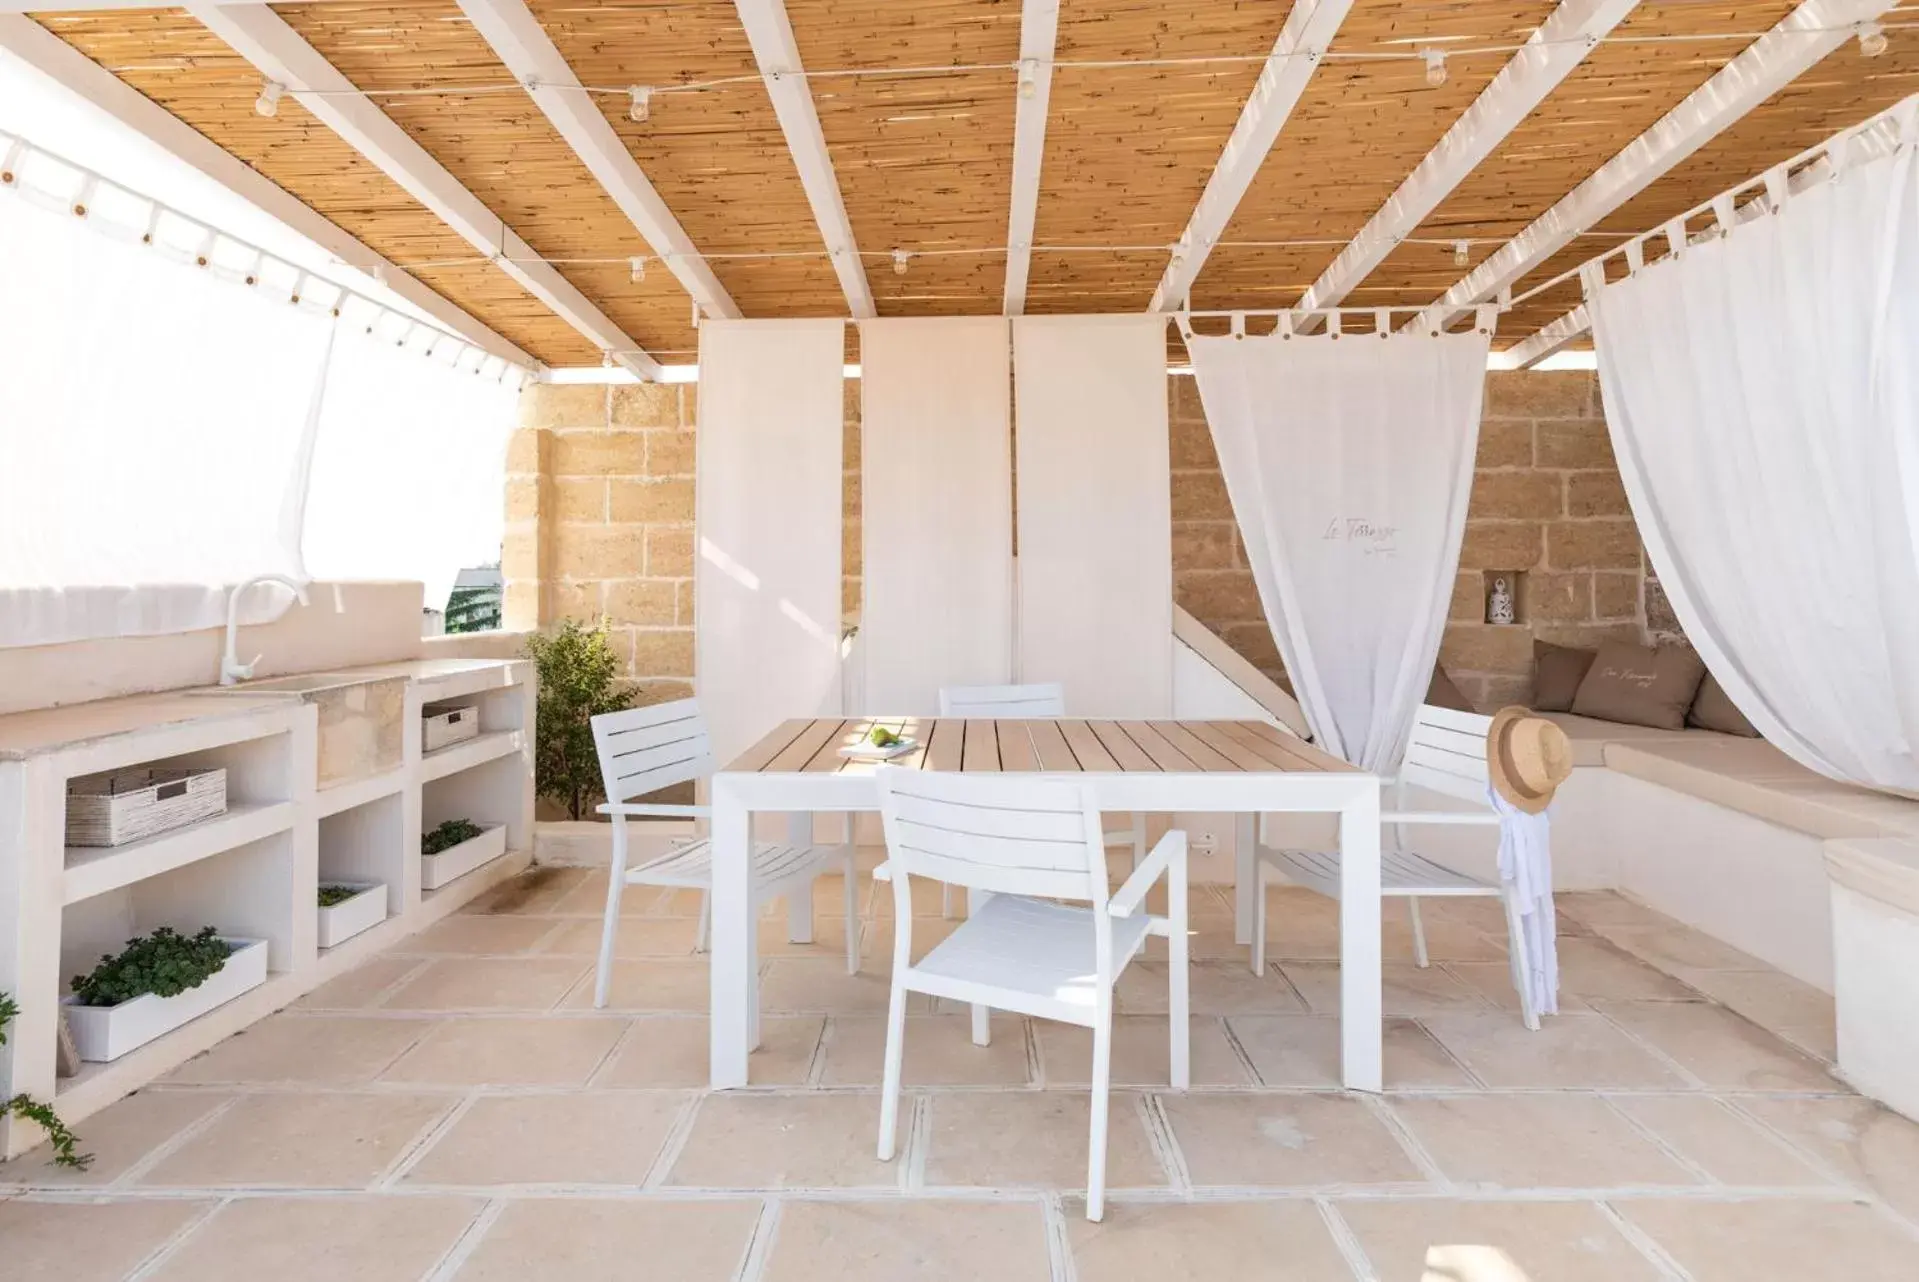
(1875, 926)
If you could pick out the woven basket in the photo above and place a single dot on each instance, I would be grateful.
(126, 805)
(444, 723)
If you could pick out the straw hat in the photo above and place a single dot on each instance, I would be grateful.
(1527, 757)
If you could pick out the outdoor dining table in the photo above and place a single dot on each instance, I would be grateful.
(1245, 768)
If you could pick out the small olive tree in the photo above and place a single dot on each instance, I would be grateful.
(579, 680)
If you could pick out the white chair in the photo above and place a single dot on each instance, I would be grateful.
(645, 749)
(1447, 754)
(1024, 703)
(1019, 844)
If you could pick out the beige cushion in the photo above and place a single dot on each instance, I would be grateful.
(1713, 709)
(1589, 735)
(1442, 693)
(1557, 672)
(1640, 686)
(1755, 778)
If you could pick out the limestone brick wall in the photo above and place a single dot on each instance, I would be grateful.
(600, 525)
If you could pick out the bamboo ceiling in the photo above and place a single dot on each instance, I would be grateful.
(923, 158)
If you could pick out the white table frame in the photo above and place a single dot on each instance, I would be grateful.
(737, 795)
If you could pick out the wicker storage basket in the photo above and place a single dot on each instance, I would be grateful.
(126, 805)
(444, 723)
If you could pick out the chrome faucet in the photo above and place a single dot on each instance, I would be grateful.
(231, 669)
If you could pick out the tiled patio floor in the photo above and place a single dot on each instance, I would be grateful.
(458, 1110)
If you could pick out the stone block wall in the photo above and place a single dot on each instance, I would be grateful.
(600, 525)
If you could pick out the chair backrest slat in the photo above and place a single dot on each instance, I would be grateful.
(1047, 699)
(643, 750)
(1447, 753)
(1002, 833)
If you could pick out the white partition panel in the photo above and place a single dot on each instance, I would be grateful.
(1095, 519)
(936, 486)
(767, 579)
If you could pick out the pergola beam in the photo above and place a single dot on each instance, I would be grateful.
(62, 63)
(1038, 32)
(535, 61)
(1801, 39)
(1309, 29)
(1553, 338)
(281, 54)
(1556, 46)
(770, 33)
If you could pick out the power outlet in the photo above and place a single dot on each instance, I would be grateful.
(1205, 842)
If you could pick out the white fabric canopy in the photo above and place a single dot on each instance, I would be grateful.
(408, 468)
(1349, 461)
(1762, 392)
(1095, 511)
(936, 487)
(767, 576)
(153, 436)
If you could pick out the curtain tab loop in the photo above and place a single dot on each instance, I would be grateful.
(1284, 325)
(1239, 324)
(1778, 188)
(1906, 119)
(1592, 279)
(1332, 322)
(1383, 321)
(1725, 213)
(1635, 254)
(1676, 237)
(1185, 322)
(1486, 318)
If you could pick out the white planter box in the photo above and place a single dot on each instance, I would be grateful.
(105, 1033)
(445, 723)
(349, 917)
(458, 861)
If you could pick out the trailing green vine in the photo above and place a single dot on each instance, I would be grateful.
(65, 1143)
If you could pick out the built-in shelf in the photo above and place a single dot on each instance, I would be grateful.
(469, 753)
(95, 870)
(358, 792)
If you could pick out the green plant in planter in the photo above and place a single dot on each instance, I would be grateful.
(448, 835)
(579, 680)
(65, 1143)
(332, 895)
(165, 963)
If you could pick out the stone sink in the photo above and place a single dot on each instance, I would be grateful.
(360, 719)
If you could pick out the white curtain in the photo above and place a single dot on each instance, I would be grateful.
(936, 493)
(1095, 511)
(408, 467)
(153, 433)
(1349, 461)
(1763, 400)
(767, 576)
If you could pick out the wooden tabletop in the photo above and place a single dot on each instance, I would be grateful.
(1057, 746)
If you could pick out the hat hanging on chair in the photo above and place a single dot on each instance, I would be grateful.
(1527, 758)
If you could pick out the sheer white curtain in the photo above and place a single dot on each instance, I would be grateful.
(153, 433)
(409, 466)
(1764, 405)
(1348, 461)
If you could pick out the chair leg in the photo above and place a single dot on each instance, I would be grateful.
(706, 921)
(1178, 946)
(1259, 916)
(1139, 839)
(615, 885)
(1096, 1140)
(895, 1059)
(1420, 958)
(799, 915)
(1522, 962)
(850, 876)
(982, 1015)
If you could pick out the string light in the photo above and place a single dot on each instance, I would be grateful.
(1872, 39)
(1462, 252)
(1435, 66)
(268, 103)
(899, 262)
(1028, 77)
(642, 104)
(636, 269)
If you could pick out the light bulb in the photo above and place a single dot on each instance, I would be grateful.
(642, 105)
(1872, 39)
(899, 262)
(268, 103)
(636, 269)
(1028, 77)
(1435, 66)
(1462, 252)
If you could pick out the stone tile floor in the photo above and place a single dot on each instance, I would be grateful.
(456, 1110)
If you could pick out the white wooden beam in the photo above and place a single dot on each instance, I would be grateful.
(264, 39)
(1769, 64)
(530, 54)
(57, 7)
(770, 33)
(1296, 55)
(1555, 337)
(1038, 31)
(60, 62)
(1556, 46)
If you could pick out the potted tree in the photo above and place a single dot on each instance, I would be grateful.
(579, 680)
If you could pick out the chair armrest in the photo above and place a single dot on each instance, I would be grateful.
(1486, 817)
(638, 809)
(1168, 853)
